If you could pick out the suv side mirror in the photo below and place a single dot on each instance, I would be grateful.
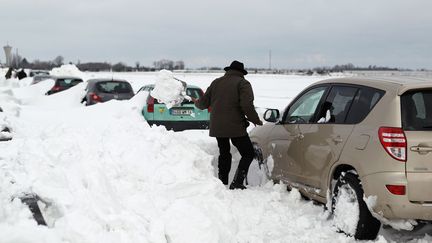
(271, 115)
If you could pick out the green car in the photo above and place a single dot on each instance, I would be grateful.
(178, 118)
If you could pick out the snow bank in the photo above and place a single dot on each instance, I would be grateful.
(100, 186)
(12, 82)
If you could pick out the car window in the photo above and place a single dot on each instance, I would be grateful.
(68, 82)
(417, 110)
(113, 87)
(147, 88)
(337, 104)
(304, 108)
(194, 93)
(363, 103)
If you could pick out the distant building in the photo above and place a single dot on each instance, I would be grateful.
(8, 52)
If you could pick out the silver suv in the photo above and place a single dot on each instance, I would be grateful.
(363, 146)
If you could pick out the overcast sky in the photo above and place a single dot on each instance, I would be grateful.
(300, 33)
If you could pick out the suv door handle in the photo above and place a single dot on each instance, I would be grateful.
(421, 150)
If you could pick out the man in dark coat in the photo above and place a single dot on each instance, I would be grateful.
(231, 100)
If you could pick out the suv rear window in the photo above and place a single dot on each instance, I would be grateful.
(113, 87)
(417, 110)
(68, 82)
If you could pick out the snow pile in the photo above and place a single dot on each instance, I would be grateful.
(168, 90)
(9, 103)
(67, 70)
(99, 187)
(12, 82)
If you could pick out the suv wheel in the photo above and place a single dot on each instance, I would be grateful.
(350, 212)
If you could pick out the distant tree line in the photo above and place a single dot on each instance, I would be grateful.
(122, 67)
(19, 62)
(352, 67)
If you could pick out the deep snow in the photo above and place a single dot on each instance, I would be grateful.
(106, 176)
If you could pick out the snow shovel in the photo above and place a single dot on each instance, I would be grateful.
(31, 200)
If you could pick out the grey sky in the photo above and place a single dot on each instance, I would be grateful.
(300, 33)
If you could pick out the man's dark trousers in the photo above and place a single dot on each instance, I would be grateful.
(244, 146)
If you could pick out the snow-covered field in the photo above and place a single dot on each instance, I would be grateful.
(106, 176)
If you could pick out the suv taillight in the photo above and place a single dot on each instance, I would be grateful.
(394, 142)
(150, 104)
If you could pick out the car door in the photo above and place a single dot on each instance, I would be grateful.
(416, 107)
(286, 138)
(324, 139)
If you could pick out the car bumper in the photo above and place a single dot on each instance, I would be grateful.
(392, 206)
(181, 125)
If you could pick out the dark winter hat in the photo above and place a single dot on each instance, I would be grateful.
(236, 65)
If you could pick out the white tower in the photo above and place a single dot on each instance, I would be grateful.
(8, 53)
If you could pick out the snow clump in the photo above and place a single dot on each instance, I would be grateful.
(67, 70)
(168, 89)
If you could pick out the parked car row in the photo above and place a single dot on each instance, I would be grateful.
(344, 141)
(178, 118)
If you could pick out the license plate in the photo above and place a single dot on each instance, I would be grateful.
(181, 112)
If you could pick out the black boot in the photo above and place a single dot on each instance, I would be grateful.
(237, 182)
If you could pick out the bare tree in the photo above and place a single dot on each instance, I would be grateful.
(58, 61)
(164, 64)
(179, 65)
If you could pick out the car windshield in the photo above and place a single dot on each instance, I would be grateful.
(114, 87)
(417, 110)
(68, 82)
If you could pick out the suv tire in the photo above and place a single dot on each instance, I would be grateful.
(347, 197)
